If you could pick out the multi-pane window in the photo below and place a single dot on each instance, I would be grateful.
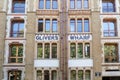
(79, 74)
(46, 75)
(17, 28)
(14, 75)
(108, 5)
(16, 53)
(111, 53)
(79, 4)
(18, 6)
(109, 28)
(47, 25)
(48, 4)
(82, 25)
(50, 50)
(79, 50)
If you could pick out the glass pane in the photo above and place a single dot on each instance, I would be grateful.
(13, 50)
(79, 4)
(13, 60)
(86, 25)
(40, 50)
(54, 25)
(72, 50)
(19, 6)
(40, 25)
(87, 75)
(72, 25)
(80, 50)
(47, 4)
(47, 50)
(87, 50)
(72, 4)
(111, 53)
(73, 75)
(47, 25)
(20, 60)
(85, 4)
(20, 51)
(39, 75)
(54, 50)
(79, 25)
(15, 28)
(41, 4)
(80, 75)
(54, 4)
(54, 75)
(46, 75)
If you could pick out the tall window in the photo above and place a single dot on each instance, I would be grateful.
(82, 25)
(40, 25)
(109, 27)
(39, 50)
(14, 75)
(39, 75)
(72, 25)
(87, 75)
(18, 6)
(54, 50)
(85, 4)
(108, 5)
(54, 4)
(73, 50)
(80, 50)
(54, 25)
(79, 4)
(48, 4)
(80, 74)
(16, 53)
(54, 75)
(47, 50)
(111, 53)
(73, 75)
(72, 4)
(17, 28)
(86, 25)
(46, 75)
(47, 25)
(41, 4)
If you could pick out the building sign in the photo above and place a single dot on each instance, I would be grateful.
(80, 37)
(42, 37)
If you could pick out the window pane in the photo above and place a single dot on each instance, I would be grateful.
(46, 75)
(73, 75)
(86, 25)
(79, 25)
(40, 25)
(72, 4)
(13, 51)
(14, 75)
(40, 50)
(85, 4)
(19, 60)
(72, 25)
(54, 75)
(54, 4)
(41, 4)
(54, 25)
(80, 50)
(20, 51)
(80, 75)
(72, 50)
(87, 50)
(47, 25)
(54, 50)
(47, 4)
(18, 6)
(47, 50)
(111, 53)
(79, 4)
(87, 75)
(39, 75)
(13, 60)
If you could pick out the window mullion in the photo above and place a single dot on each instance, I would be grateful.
(17, 47)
